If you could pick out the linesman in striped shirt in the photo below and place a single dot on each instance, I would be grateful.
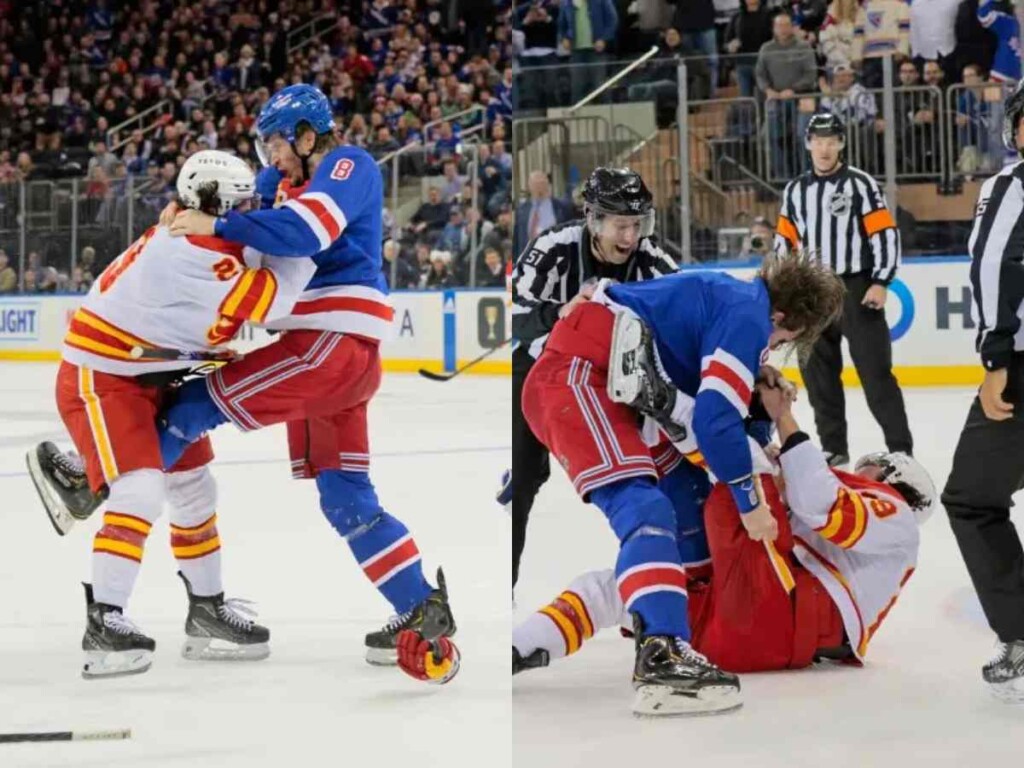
(988, 465)
(555, 272)
(838, 213)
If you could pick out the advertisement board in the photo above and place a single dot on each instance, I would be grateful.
(930, 315)
(432, 329)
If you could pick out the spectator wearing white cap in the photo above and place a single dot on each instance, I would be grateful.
(439, 275)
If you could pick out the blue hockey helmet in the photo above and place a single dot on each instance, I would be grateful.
(286, 109)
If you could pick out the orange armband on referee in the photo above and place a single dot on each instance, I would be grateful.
(787, 229)
(878, 220)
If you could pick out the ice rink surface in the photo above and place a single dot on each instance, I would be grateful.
(919, 700)
(438, 450)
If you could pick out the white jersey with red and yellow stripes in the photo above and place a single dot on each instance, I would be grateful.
(859, 538)
(191, 294)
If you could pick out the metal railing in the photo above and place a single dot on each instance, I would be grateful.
(719, 162)
(313, 29)
(410, 172)
(766, 140)
(726, 128)
(613, 80)
(567, 148)
(476, 108)
(974, 125)
(49, 224)
(117, 140)
(46, 226)
(139, 121)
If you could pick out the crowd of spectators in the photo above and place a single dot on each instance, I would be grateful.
(777, 50)
(118, 95)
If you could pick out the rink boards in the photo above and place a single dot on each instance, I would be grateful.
(930, 314)
(439, 330)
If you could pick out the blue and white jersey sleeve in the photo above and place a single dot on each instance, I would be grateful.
(345, 183)
(730, 358)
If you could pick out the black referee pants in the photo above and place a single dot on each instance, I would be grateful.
(988, 468)
(867, 333)
(530, 465)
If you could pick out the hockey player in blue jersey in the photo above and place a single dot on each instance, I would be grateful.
(320, 376)
(708, 334)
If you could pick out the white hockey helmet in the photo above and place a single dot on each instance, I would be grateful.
(906, 475)
(234, 179)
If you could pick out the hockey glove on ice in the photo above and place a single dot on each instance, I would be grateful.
(435, 662)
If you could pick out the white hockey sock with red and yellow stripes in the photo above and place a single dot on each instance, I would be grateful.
(194, 538)
(591, 603)
(136, 501)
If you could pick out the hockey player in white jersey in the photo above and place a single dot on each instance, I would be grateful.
(847, 544)
(162, 305)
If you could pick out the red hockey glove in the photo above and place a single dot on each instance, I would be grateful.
(434, 662)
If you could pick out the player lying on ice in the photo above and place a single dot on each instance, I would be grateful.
(161, 306)
(710, 331)
(847, 544)
(320, 375)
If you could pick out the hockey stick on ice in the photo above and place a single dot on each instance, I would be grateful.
(433, 376)
(11, 738)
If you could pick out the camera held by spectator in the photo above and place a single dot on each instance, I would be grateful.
(758, 243)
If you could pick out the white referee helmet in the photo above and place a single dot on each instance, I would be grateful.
(233, 180)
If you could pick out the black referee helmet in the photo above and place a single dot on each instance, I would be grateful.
(618, 192)
(1013, 108)
(824, 124)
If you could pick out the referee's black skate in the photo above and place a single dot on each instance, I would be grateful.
(1005, 673)
(432, 619)
(539, 658)
(837, 460)
(222, 630)
(62, 486)
(113, 645)
(672, 679)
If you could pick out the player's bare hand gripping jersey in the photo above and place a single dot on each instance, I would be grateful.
(187, 293)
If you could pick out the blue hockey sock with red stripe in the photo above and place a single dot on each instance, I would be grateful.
(382, 545)
(651, 579)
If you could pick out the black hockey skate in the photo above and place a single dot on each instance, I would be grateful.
(432, 619)
(62, 486)
(672, 679)
(222, 630)
(113, 645)
(539, 658)
(1005, 673)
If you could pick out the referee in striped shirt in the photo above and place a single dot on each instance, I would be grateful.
(838, 213)
(988, 465)
(557, 270)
